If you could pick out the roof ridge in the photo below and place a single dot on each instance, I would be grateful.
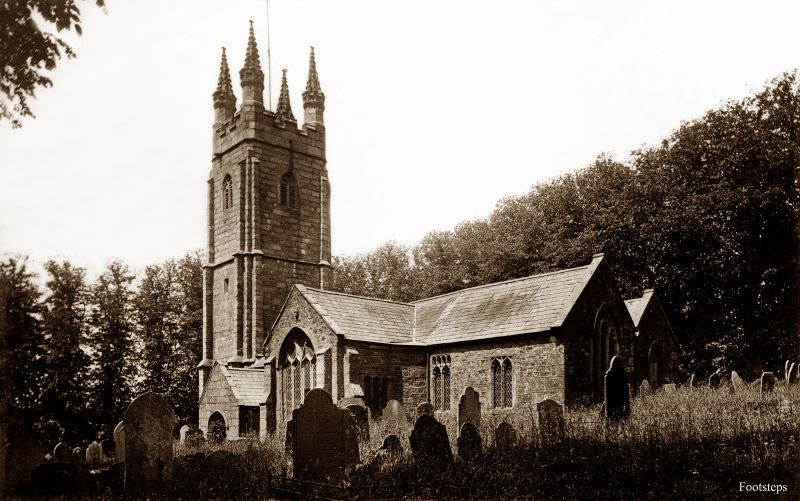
(501, 283)
(328, 291)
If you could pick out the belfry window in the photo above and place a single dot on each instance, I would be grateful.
(288, 194)
(502, 382)
(441, 382)
(227, 192)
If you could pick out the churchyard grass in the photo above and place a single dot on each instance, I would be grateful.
(686, 444)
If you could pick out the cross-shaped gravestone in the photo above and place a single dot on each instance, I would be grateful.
(617, 400)
(469, 407)
(324, 438)
(149, 421)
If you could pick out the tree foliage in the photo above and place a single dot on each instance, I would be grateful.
(29, 49)
(709, 217)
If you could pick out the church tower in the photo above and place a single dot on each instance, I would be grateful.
(268, 215)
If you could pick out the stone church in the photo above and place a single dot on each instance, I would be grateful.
(272, 329)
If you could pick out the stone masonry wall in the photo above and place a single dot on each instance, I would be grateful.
(654, 327)
(218, 397)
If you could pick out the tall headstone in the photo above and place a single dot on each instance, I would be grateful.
(394, 413)
(425, 408)
(324, 438)
(119, 442)
(505, 436)
(182, 434)
(469, 407)
(692, 382)
(767, 382)
(714, 381)
(791, 374)
(785, 368)
(62, 452)
(469, 442)
(736, 381)
(617, 400)
(149, 421)
(551, 420)
(94, 454)
(361, 418)
(429, 442)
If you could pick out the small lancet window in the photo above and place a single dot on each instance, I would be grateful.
(441, 382)
(227, 192)
(288, 194)
(502, 382)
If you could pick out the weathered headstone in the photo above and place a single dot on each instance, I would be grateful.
(469, 442)
(392, 444)
(714, 381)
(551, 420)
(767, 381)
(62, 452)
(645, 388)
(736, 381)
(469, 407)
(505, 436)
(669, 388)
(149, 421)
(617, 401)
(119, 442)
(77, 457)
(324, 438)
(425, 408)
(361, 418)
(94, 454)
(394, 413)
(429, 441)
(182, 434)
(791, 374)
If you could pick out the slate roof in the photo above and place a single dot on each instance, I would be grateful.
(637, 306)
(520, 306)
(247, 384)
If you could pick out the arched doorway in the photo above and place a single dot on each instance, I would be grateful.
(297, 364)
(605, 344)
(217, 430)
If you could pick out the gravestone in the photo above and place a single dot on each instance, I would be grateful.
(645, 388)
(429, 442)
(785, 368)
(736, 381)
(149, 421)
(791, 375)
(361, 418)
(324, 438)
(392, 444)
(505, 436)
(670, 388)
(767, 382)
(394, 413)
(469, 407)
(77, 457)
(617, 401)
(692, 382)
(62, 453)
(94, 454)
(469, 442)
(182, 434)
(714, 381)
(425, 408)
(119, 442)
(551, 420)
(22, 456)
(194, 437)
(221, 474)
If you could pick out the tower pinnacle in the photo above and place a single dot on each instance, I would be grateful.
(284, 109)
(251, 75)
(224, 99)
(313, 98)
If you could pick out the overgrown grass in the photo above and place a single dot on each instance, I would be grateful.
(688, 444)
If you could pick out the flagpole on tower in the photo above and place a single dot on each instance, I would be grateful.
(269, 63)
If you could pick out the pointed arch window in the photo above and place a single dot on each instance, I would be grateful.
(441, 375)
(227, 192)
(288, 194)
(502, 382)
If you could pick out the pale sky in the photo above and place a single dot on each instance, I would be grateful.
(434, 110)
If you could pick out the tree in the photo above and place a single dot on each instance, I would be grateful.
(29, 50)
(65, 393)
(110, 342)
